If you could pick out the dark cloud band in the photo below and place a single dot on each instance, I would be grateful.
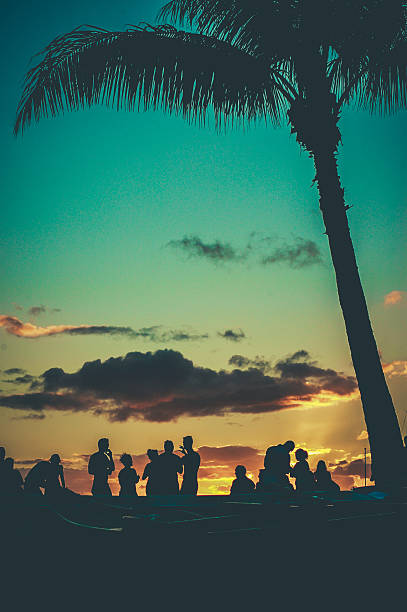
(164, 386)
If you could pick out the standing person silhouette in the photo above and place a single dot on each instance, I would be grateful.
(100, 466)
(12, 481)
(128, 477)
(54, 476)
(169, 466)
(151, 473)
(191, 462)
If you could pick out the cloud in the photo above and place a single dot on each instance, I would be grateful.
(258, 362)
(395, 368)
(26, 379)
(230, 454)
(300, 254)
(34, 311)
(30, 417)
(156, 333)
(299, 366)
(232, 335)
(12, 371)
(216, 251)
(163, 386)
(356, 467)
(395, 297)
(363, 435)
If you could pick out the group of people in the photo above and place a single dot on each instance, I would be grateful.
(163, 469)
(274, 477)
(161, 473)
(47, 475)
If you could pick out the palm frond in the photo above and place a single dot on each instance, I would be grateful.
(376, 79)
(262, 26)
(153, 67)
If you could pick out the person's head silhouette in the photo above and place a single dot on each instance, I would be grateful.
(301, 454)
(168, 446)
(126, 460)
(103, 444)
(187, 442)
(240, 471)
(2, 453)
(9, 463)
(289, 445)
(55, 458)
(321, 466)
(152, 454)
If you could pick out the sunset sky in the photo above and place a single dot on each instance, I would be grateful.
(127, 234)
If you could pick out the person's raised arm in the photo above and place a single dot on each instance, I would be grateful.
(146, 472)
(112, 466)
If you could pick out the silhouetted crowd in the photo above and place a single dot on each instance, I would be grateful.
(162, 471)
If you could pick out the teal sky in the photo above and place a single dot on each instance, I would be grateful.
(91, 199)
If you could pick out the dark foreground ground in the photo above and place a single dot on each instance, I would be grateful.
(207, 552)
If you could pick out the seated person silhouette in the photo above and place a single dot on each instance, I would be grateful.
(323, 479)
(54, 476)
(151, 473)
(128, 477)
(242, 484)
(169, 466)
(191, 461)
(100, 466)
(12, 481)
(304, 478)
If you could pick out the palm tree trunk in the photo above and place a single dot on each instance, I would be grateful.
(381, 420)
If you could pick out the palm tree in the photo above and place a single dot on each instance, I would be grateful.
(257, 59)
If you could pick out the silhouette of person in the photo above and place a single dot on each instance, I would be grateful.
(169, 466)
(273, 477)
(2, 456)
(191, 462)
(100, 466)
(54, 476)
(323, 478)
(151, 473)
(278, 458)
(36, 478)
(128, 477)
(304, 478)
(242, 484)
(12, 481)
(48, 475)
